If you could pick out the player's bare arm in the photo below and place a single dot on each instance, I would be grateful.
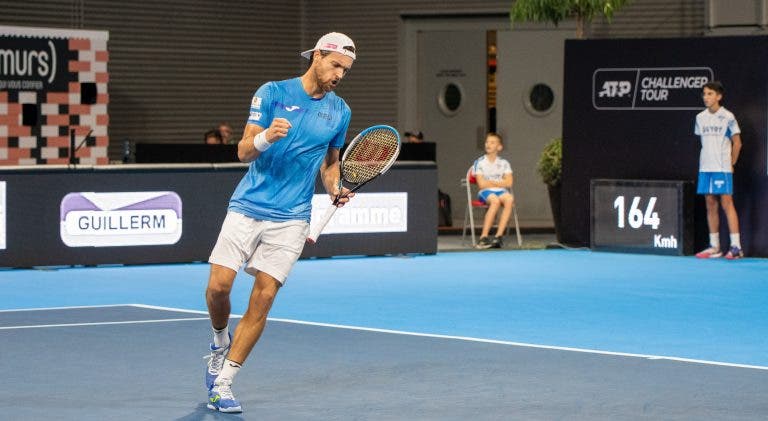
(330, 174)
(735, 148)
(246, 148)
(506, 182)
(483, 183)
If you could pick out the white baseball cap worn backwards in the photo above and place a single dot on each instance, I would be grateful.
(336, 42)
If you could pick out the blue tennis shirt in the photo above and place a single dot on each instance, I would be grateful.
(280, 183)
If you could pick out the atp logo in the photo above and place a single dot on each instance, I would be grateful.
(615, 88)
(649, 88)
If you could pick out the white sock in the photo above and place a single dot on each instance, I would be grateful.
(221, 337)
(736, 240)
(714, 240)
(228, 372)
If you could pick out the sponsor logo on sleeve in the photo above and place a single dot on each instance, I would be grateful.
(256, 102)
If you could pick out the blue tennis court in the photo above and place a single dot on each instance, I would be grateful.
(539, 334)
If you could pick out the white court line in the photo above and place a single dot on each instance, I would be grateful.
(63, 308)
(180, 310)
(523, 344)
(395, 332)
(124, 322)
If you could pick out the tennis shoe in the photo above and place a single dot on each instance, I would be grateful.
(215, 363)
(734, 253)
(220, 398)
(709, 253)
(497, 243)
(484, 243)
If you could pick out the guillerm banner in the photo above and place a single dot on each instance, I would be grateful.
(629, 110)
(112, 219)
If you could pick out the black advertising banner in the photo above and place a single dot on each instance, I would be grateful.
(34, 64)
(629, 111)
(137, 214)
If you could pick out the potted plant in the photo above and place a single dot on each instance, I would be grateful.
(550, 168)
(555, 11)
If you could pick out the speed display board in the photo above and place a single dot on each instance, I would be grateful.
(642, 216)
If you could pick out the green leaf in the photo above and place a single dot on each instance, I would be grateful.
(550, 166)
(556, 11)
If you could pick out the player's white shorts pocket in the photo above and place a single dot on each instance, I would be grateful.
(236, 241)
(278, 248)
(271, 247)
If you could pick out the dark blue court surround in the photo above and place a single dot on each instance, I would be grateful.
(128, 362)
(150, 368)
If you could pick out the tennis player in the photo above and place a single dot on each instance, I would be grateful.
(720, 147)
(295, 128)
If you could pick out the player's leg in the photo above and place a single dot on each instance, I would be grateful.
(252, 324)
(247, 333)
(734, 250)
(217, 297)
(235, 243)
(492, 200)
(726, 201)
(280, 245)
(713, 217)
(713, 223)
(220, 283)
(706, 186)
(507, 202)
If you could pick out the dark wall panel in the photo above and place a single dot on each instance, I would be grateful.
(657, 141)
(177, 68)
(180, 66)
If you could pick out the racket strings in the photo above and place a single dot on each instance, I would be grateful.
(370, 155)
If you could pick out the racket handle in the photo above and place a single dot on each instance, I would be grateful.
(314, 233)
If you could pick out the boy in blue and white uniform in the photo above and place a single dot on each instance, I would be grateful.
(494, 179)
(295, 129)
(720, 147)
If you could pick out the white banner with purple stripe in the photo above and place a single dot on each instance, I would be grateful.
(120, 219)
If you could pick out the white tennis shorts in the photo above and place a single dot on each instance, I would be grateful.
(264, 246)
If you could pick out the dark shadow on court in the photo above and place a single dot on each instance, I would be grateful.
(202, 413)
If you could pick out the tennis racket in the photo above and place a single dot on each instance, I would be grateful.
(369, 155)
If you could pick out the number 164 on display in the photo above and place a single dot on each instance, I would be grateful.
(636, 217)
